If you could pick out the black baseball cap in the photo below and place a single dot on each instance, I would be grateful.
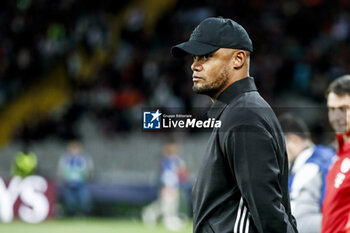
(214, 33)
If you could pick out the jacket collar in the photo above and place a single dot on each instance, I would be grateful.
(235, 89)
(344, 148)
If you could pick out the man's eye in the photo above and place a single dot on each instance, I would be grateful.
(206, 56)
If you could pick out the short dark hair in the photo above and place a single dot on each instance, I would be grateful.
(340, 86)
(292, 124)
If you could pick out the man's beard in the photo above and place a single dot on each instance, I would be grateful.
(211, 89)
(338, 122)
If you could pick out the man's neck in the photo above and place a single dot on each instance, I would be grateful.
(346, 138)
(303, 146)
(232, 80)
(343, 139)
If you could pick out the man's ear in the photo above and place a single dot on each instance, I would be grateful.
(239, 59)
(293, 138)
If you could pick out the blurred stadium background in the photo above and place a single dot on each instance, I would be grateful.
(85, 69)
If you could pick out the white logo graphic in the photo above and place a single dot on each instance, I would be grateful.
(151, 120)
(344, 168)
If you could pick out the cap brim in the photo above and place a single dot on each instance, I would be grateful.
(193, 48)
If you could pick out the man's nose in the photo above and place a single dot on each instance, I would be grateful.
(196, 66)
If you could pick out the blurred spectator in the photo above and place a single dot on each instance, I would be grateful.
(25, 163)
(173, 174)
(75, 169)
(307, 162)
(336, 205)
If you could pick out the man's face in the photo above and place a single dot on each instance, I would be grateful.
(291, 146)
(211, 72)
(339, 112)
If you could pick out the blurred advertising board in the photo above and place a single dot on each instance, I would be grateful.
(31, 199)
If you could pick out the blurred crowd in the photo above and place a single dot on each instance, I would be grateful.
(300, 46)
(37, 34)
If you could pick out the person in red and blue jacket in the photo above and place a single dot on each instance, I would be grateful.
(336, 205)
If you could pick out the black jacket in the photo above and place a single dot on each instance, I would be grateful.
(242, 185)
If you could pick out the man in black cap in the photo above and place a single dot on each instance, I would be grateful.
(242, 185)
